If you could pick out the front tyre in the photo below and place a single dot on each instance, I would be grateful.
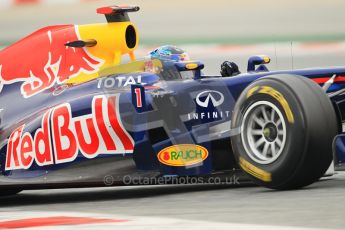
(287, 125)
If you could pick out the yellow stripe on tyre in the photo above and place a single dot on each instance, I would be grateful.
(275, 94)
(255, 171)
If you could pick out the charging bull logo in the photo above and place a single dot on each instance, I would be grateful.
(62, 137)
(42, 59)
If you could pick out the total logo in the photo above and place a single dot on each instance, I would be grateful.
(182, 155)
(61, 137)
(210, 96)
(118, 81)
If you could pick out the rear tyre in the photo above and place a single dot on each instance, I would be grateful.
(287, 125)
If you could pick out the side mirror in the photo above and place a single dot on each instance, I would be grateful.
(190, 66)
(258, 60)
(185, 66)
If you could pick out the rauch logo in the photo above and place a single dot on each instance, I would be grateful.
(182, 155)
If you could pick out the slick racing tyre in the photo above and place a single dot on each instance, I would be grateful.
(286, 126)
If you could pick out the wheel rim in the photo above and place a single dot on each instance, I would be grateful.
(263, 132)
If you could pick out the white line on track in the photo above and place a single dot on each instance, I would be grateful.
(135, 222)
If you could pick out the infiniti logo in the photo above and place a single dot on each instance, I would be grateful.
(215, 97)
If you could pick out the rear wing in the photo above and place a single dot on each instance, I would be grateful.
(117, 13)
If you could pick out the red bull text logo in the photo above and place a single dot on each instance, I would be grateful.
(42, 60)
(61, 137)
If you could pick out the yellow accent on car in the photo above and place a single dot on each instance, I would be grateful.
(191, 66)
(111, 46)
(131, 67)
(255, 171)
(266, 59)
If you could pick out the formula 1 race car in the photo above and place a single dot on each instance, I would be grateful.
(71, 115)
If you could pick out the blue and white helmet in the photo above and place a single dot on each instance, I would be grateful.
(169, 52)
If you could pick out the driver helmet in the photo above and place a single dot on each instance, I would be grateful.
(169, 52)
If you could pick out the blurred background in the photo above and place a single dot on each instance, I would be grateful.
(294, 33)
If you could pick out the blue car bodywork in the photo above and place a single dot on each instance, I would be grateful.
(120, 125)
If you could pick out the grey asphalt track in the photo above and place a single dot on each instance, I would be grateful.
(320, 205)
